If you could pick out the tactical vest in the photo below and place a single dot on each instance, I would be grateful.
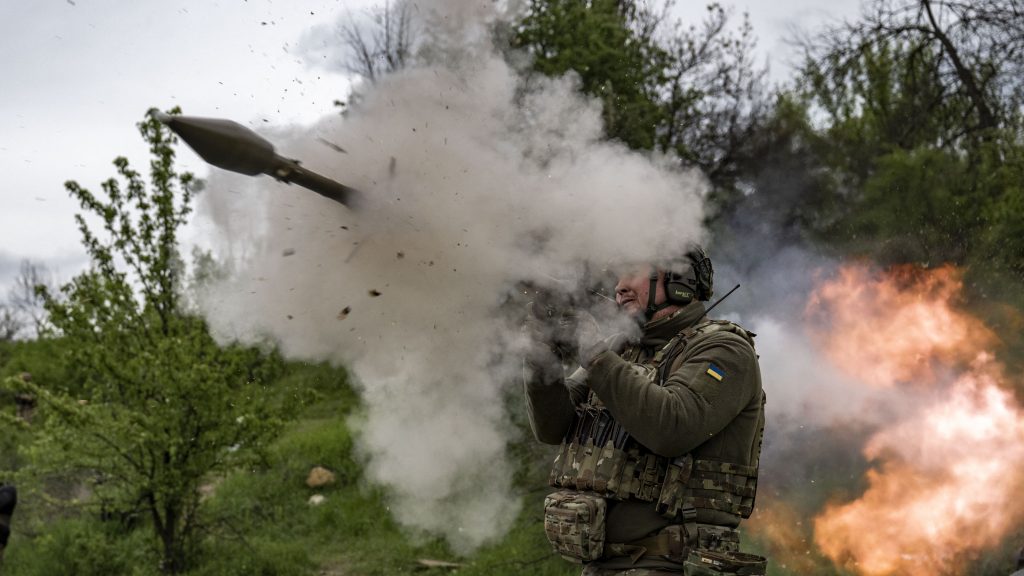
(599, 456)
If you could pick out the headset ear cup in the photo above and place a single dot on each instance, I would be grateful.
(677, 291)
(689, 279)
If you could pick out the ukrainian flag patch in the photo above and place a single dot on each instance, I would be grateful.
(715, 372)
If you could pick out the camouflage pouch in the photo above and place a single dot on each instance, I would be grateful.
(628, 483)
(587, 458)
(718, 538)
(558, 466)
(673, 490)
(574, 524)
(611, 460)
(569, 467)
(714, 563)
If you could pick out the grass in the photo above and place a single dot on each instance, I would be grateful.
(265, 513)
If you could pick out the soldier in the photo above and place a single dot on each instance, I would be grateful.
(660, 436)
(8, 500)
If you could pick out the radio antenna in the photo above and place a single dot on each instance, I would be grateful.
(719, 301)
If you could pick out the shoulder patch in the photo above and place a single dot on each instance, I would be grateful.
(715, 372)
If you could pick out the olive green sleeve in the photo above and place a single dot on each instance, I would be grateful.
(692, 406)
(551, 404)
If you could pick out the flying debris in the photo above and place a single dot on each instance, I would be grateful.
(331, 145)
(231, 146)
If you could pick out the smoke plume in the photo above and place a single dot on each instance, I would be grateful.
(891, 436)
(475, 180)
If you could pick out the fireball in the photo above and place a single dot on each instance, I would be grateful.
(896, 328)
(944, 480)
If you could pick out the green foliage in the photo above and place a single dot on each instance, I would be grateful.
(39, 358)
(614, 62)
(156, 406)
(916, 208)
(265, 555)
(880, 99)
(251, 512)
(82, 547)
(999, 187)
(691, 91)
(915, 174)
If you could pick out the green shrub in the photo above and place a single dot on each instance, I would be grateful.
(82, 547)
(254, 557)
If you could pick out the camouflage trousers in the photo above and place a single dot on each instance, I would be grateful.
(711, 540)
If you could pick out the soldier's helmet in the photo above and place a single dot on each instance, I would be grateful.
(689, 278)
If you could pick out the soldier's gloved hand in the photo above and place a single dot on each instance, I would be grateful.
(592, 343)
(615, 343)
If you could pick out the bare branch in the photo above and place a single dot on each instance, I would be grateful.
(382, 42)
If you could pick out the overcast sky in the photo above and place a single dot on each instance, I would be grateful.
(78, 74)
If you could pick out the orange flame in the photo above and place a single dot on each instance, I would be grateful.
(893, 329)
(783, 530)
(946, 481)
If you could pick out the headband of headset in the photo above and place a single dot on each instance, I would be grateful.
(693, 278)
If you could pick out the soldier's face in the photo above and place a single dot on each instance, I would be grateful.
(632, 289)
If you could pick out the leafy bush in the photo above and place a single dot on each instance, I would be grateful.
(82, 547)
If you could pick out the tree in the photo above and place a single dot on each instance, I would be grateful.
(610, 46)
(10, 323)
(970, 52)
(156, 406)
(25, 298)
(918, 104)
(691, 91)
(382, 44)
(714, 95)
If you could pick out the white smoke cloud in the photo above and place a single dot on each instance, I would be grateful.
(473, 183)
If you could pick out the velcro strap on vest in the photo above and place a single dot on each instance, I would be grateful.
(723, 483)
(722, 505)
(672, 542)
(723, 486)
(725, 468)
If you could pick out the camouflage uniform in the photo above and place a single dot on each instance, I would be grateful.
(593, 570)
(710, 408)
